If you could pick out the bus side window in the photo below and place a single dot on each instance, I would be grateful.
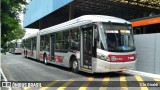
(42, 43)
(74, 39)
(47, 42)
(65, 40)
(58, 42)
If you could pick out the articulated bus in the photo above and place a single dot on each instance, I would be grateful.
(90, 43)
(15, 46)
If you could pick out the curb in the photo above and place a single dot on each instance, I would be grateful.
(157, 76)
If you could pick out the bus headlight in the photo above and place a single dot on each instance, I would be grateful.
(107, 59)
(103, 57)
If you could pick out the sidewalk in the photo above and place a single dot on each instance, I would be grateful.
(157, 76)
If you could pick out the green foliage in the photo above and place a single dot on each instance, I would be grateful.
(11, 29)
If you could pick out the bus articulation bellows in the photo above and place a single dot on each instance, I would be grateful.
(90, 43)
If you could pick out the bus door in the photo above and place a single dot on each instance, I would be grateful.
(86, 51)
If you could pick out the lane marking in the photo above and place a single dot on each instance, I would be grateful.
(65, 85)
(105, 81)
(26, 88)
(5, 67)
(48, 85)
(87, 82)
(140, 81)
(8, 72)
(123, 83)
(5, 79)
(11, 78)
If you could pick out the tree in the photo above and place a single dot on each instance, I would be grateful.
(11, 28)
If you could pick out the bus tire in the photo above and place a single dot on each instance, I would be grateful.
(75, 65)
(45, 59)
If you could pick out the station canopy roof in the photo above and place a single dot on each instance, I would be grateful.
(126, 9)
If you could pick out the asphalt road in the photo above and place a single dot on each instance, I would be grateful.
(53, 77)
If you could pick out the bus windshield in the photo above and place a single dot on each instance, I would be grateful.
(118, 37)
(19, 44)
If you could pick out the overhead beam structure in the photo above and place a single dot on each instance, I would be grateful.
(126, 9)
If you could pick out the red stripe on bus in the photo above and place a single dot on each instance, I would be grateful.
(41, 56)
(58, 58)
(122, 58)
(48, 57)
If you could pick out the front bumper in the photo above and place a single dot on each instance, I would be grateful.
(101, 66)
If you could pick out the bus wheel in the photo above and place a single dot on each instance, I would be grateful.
(45, 60)
(75, 66)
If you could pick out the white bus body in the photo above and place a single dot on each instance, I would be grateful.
(28, 48)
(90, 43)
(15, 46)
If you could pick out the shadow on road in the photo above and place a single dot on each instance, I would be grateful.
(95, 75)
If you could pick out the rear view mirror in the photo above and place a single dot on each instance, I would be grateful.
(96, 33)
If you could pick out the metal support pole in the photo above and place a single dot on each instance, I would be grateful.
(71, 10)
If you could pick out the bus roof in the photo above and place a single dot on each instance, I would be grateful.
(30, 35)
(146, 21)
(85, 19)
(16, 40)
